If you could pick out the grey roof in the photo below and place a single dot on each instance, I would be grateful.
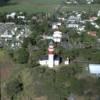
(44, 57)
(56, 57)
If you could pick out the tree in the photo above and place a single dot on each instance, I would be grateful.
(14, 87)
(21, 55)
(3, 2)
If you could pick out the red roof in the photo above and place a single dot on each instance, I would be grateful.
(92, 33)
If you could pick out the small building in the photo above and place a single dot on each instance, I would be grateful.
(94, 69)
(61, 18)
(21, 17)
(92, 33)
(44, 60)
(74, 19)
(93, 18)
(98, 14)
(56, 25)
(66, 61)
(73, 25)
(72, 97)
(57, 36)
(12, 15)
(82, 28)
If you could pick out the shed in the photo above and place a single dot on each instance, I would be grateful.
(94, 69)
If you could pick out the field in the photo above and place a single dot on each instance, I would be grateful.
(94, 7)
(31, 6)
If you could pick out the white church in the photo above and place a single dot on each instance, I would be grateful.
(51, 60)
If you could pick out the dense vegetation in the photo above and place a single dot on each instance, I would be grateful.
(3, 2)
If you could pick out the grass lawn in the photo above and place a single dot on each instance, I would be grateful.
(8, 71)
(3, 57)
(94, 7)
(32, 6)
(2, 54)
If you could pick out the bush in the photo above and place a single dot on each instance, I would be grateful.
(14, 87)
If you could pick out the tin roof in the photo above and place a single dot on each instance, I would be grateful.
(94, 68)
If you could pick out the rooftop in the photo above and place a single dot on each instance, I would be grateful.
(56, 57)
(94, 68)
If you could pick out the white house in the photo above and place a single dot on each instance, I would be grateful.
(94, 69)
(73, 19)
(98, 14)
(89, 1)
(61, 18)
(66, 61)
(54, 26)
(12, 15)
(21, 17)
(82, 28)
(73, 25)
(57, 36)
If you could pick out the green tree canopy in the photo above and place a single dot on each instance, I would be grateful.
(14, 87)
(21, 56)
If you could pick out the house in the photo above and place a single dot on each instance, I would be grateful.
(92, 33)
(56, 25)
(93, 18)
(12, 15)
(82, 28)
(57, 36)
(44, 60)
(61, 18)
(66, 61)
(72, 97)
(68, 2)
(89, 1)
(94, 69)
(73, 25)
(98, 14)
(74, 19)
(21, 17)
(95, 25)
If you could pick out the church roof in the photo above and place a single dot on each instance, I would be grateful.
(56, 57)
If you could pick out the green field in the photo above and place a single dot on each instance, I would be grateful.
(94, 7)
(31, 6)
